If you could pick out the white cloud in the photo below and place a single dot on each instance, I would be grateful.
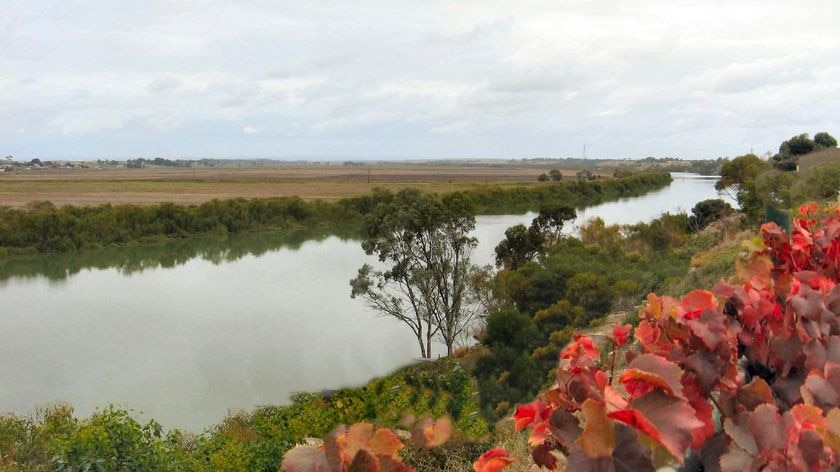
(251, 130)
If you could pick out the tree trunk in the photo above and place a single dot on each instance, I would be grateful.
(423, 352)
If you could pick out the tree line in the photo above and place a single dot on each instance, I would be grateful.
(43, 227)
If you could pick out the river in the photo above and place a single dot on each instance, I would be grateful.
(188, 331)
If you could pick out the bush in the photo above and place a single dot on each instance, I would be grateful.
(708, 211)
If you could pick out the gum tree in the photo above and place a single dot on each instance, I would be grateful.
(424, 246)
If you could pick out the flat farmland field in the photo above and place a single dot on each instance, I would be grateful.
(309, 181)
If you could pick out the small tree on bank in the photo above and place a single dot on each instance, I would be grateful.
(425, 247)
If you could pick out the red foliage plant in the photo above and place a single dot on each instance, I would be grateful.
(743, 377)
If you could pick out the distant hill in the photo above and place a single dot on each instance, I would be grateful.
(819, 158)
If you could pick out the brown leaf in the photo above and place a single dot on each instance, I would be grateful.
(384, 442)
(305, 459)
(428, 433)
(598, 436)
(755, 393)
(579, 461)
(832, 433)
(565, 427)
(765, 425)
(629, 454)
(543, 457)
(364, 462)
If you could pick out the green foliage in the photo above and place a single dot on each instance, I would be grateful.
(824, 140)
(797, 145)
(425, 244)
(550, 221)
(44, 227)
(508, 374)
(789, 151)
(112, 440)
(708, 211)
(572, 286)
(558, 316)
(820, 183)
(496, 199)
(738, 178)
(590, 291)
(521, 244)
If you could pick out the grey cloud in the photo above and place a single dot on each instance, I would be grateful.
(164, 84)
(532, 77)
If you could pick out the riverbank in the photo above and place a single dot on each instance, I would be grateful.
(43, 227)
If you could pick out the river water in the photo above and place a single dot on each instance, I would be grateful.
(188, 331)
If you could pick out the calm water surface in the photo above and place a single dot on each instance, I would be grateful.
(188, 331)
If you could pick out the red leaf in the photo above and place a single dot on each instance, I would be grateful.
(647, 333)
(696, 302)
(530, 413)
(620, 334)
(493, 461)
(582, 351)
(650, 371)
(665, 419)
(539, 433)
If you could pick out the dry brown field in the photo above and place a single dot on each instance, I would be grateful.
(309, 181)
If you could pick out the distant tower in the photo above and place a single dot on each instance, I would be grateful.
(584, 150)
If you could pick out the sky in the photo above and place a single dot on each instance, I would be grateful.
(392, 79)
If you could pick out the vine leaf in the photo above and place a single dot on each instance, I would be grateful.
(650, 371)
(598, 436)
(493, 460)
(667, 420)
(305, 459)
(428, 433)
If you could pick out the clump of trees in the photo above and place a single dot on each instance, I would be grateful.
(523, 244)
(787, 158)
(554, 175)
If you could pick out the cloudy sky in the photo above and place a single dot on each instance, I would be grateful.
(393, 78)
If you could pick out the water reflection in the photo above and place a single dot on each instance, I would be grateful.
(130, 259)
